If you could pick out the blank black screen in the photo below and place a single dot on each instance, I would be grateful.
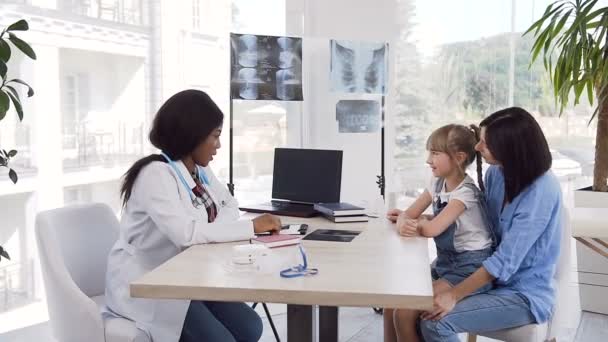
(305, 175)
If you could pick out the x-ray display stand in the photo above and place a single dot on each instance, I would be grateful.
(231, 151)
(381, 180)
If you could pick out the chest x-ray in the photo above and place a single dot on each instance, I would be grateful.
(358, 67)
(266, 67)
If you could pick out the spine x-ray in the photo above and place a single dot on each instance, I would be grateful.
(358, 67)
(358, 116)
(266, 67)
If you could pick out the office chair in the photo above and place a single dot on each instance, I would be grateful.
(75, 285)
(545, 331)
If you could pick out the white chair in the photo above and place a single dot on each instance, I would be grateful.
(74, 243)
(546, 331)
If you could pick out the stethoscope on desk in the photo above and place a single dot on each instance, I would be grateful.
(299, 270)
(197, 202)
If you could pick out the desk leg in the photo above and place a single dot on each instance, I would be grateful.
(300, 326)
(328, 324)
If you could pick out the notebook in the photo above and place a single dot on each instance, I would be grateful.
(277, 240)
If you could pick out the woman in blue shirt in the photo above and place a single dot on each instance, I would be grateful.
(524, 201)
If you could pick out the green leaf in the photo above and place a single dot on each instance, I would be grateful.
(548, 12)
(3, 69)
(597, 109)
(21, 25)
(4, 253)
(4, 104)
(578, 90)
(590, 91)
(5, 50)
(14, 91)
(17, 105)
(23, 46)
(539, 44)
(560, 24)
(12, 153)
(13, 176)
(30, 91)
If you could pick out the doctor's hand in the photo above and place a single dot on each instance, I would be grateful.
(266, 223)
(393, 214)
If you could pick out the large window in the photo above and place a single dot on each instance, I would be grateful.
(103, 69)
(450, 70)
(259, 126)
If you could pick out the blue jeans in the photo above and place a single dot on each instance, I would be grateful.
(487, 311)
(221, 321)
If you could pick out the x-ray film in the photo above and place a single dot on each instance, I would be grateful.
(358, 67)
(358, 116)
(266, 67)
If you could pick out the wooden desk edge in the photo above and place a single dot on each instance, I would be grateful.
(420, 302)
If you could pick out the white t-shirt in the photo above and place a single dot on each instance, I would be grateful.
(471, 232)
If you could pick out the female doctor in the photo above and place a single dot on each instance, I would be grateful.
(172, 200)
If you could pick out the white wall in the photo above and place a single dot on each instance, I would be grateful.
(318, 21)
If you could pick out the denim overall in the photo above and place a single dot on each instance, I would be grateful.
(451, 265)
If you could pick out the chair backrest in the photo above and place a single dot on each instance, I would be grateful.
(566, 313)
(562, 314)
(74, 243)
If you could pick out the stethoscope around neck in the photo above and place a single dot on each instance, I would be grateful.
(197, 202)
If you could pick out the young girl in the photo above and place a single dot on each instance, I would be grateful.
(459, 224)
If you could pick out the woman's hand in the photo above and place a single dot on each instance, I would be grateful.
(393, 214)
(407, 226)
(443, 303)
(266, 223)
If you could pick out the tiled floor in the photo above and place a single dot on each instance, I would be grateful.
(356, 325)
(363, 325)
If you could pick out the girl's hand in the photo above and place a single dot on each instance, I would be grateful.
(443, 303)
(393, 214)
(419, 224)
(407, 226)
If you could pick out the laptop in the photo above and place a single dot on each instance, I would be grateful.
(301, 178)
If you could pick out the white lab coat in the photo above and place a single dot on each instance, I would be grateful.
(158, 222)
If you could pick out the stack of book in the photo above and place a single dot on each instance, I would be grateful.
(341, 212)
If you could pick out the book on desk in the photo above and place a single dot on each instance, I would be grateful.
(339, 209)
(276, 240)
(349, 218)
(342, 212)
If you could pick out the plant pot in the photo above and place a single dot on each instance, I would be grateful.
(590, 224)
(587, 198)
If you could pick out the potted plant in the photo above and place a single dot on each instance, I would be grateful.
(572, 37)
(8, 93)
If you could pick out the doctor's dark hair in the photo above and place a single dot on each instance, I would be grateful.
(518, 144)
(451, 139)
(184, 121)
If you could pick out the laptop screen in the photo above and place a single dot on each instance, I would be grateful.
(305, 175)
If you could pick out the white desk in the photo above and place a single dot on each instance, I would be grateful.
(589, 228)
(377, 269)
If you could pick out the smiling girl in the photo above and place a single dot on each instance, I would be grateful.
(459, 225)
